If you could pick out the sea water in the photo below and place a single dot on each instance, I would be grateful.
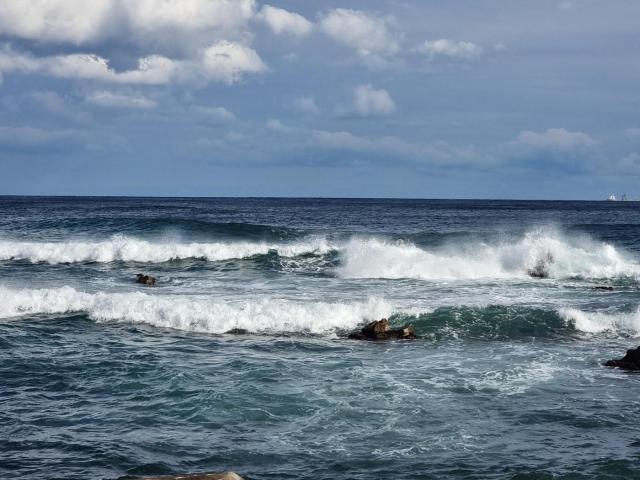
(101, 377)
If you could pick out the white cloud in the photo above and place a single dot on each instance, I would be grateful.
(450, 49)
(369, 102)
(55, 20)
(365, 33)
(81, 22)
(555, 139)
(153, 70)
(224, 62)
(227, 62)
(305, 105)
(223, 16)
(283, 21)
(217, 114)
(104, 98)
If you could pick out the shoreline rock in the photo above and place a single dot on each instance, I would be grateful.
(145, 279)
(631, 361)
(380, 330)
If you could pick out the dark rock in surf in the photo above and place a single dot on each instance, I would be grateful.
(237, 331)
(145, 279)
(631, 361)
(541, 267)
(197, 476)
(380, 330)
(602, 288)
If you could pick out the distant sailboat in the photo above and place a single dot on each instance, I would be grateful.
(612, 198)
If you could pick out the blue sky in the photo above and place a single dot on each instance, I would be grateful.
(430, 99)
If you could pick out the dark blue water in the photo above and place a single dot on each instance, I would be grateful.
(101, 377)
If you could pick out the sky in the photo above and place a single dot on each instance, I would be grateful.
(346, 98)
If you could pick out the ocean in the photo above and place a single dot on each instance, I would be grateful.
(104, 378)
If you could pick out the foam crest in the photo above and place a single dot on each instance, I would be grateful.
(120, 247)
(598, 322)
(195, 313)
(549, 252)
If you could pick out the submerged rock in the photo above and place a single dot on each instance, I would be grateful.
(631, 361)
(379, 330)
(197, 476)
(145, 279)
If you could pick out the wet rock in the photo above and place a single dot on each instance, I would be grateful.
(145, 279)
(631, 361)
(237, 331)
(197, 476)
(603, 288)
(380, 330)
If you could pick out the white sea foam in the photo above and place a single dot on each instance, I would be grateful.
(561, 256)
(597, 322)
(195, 313)
(120, 247)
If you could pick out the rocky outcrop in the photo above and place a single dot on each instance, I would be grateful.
(631, 361)
(145, 279)
(380, 330)
(197, 476)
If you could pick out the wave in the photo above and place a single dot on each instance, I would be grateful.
(282, 316)
(598, 322)
(195, 313)
(542, 251)
(129, 249)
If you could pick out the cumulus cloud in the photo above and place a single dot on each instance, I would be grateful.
(224, 62)
(370, 102)
(152, 70)
(227, 62)
(444, 48)
(106, 99)
(84, 22)
(365, 33)
(305, 105)
(555, 139)
(284, 21)
(55, 20)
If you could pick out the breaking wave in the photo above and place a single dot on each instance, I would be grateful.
(128, 249)
(540, 252)
(281, 316)
(193, 313)
(545, 251)
(598, 322)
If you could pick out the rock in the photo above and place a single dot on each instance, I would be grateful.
(145, 279)
(379, 330)
(541, 267)
(237, 331)
(631, 361)
(604, 288)
(197, 476)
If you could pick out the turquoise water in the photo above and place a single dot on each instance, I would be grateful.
(104, 378)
